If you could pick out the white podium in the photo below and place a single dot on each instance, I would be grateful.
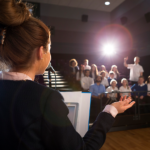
(78, 104)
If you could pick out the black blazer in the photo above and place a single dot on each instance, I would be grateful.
(70, 69)
(34, 117)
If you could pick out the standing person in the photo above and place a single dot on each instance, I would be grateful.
(86, 81)
(73, 67)
(103, 68)
(125, 88)
(104, 79)
(115, 70)
(136, 70)
(94, 71)
(86, 65)
(34, 116)
(112, 91)
(80, 73)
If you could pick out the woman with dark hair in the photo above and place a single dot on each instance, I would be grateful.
(94, 71)
(34, 116)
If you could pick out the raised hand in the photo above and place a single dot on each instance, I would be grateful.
(123, 104)
(126, 58)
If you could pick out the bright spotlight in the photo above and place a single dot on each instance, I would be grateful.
(109, 49)
(107, 3)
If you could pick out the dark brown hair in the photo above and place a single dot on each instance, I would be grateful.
(24, 33)
(97, 77)
(102, 72)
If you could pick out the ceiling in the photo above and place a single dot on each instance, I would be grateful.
(85, 4)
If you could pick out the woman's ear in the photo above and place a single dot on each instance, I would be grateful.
(40, 53)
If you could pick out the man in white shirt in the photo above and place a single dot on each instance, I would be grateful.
(86, 66)
(136, 70)
(86, 81)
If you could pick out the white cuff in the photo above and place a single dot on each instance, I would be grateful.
(111, 110)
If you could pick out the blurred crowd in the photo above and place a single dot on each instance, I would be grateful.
(108, 84)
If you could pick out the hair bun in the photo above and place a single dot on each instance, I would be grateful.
(13, 13)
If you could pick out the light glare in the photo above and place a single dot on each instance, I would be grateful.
(107, 3)
(109, 49)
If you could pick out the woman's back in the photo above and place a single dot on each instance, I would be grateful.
(23, 123)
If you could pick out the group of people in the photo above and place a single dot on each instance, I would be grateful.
(98, 82)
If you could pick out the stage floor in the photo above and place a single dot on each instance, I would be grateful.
(137, 139)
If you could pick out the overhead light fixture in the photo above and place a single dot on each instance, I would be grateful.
(107, 3)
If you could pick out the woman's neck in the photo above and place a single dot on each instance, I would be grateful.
(125, 86)
(113, 87)
(29, 73)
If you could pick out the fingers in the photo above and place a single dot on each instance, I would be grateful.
(124, 98)
(127, 101)
(121, 98)
(129, 105)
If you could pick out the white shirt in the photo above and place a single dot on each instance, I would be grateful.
(86, 82)
(148, 87)
(110, 89)
(105, 82)
(13, 76)
(135, 70)
(141, 84)
(87, 67)
(115, 75)
(107, 74)
(123, 89)
(93, 75)
(78, 77)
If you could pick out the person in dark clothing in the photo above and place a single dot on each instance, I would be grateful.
(71, 73)
(140, 87)
(140, 90)
(33, 116)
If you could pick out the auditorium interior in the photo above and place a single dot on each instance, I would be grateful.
(104, 32)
